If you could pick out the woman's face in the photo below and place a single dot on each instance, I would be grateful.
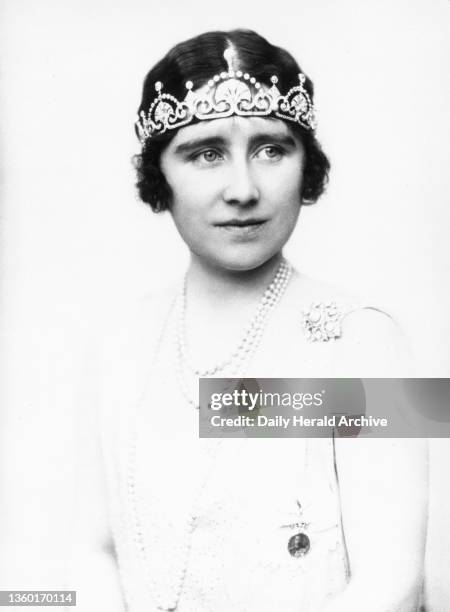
(236, 185)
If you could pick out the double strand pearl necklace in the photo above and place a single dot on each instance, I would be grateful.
(239, 359)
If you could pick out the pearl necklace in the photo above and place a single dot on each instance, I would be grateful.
(238, 360)
(170, 603)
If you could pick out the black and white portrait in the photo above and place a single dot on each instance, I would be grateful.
(233, 192)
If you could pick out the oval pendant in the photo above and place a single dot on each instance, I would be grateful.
(299, 544)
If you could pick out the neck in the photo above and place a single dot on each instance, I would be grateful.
(219, 286)
(219, 305)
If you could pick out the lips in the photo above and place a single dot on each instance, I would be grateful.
(241, 222)
(242, 230)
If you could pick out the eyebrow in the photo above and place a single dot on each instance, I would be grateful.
(219, 141)
(197, 143)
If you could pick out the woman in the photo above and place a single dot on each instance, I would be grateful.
(227, 127)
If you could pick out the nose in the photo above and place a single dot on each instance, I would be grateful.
(241, 188)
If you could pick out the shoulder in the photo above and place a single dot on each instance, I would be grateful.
(126, 345)
(364, 340)
(372, 344)
(134, 320)
(126, 315)
(307, 289)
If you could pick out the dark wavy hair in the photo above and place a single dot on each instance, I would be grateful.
(197, 60)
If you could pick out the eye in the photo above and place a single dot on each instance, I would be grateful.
(210, 155)
(270, 152)
(207, 157)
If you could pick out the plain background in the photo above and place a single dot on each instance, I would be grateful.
(75, 241)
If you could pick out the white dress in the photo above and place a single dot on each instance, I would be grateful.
(202, 525)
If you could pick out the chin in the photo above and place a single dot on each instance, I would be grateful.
(240, 261)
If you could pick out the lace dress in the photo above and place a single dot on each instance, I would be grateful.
(207, 525)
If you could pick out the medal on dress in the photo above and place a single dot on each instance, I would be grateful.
(299, 543)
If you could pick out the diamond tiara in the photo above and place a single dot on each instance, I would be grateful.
(229, 93)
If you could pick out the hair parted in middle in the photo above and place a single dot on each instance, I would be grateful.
(196, 60)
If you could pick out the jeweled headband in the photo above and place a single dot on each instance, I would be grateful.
(229, 93)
